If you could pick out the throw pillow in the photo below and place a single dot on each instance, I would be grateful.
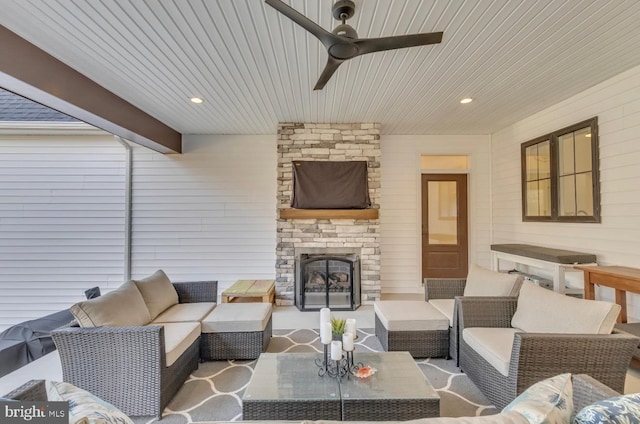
(484, 282)
(549, 401)
(617, 410)
(562, 314)
(158, 292)
(121, 307)
(85, 407)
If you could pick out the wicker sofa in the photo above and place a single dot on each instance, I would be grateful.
(586, 391)
(135, 346)
(507, 344)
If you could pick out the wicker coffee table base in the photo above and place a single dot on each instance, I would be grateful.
(261, 410)
(389, 409)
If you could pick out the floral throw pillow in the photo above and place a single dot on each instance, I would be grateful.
(84, 407)
(549, 401)
(620, 409)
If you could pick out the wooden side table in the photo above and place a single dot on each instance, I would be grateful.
(621, 279)
(263, 289)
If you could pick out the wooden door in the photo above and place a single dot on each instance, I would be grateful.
(444, 226)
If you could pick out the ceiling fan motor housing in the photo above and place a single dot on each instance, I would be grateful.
(343, 9)
(345, 30)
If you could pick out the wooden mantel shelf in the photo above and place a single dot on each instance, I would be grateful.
(328, 213)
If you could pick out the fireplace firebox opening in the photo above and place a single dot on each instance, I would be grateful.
(327, 281)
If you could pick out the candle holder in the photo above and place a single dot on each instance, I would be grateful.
(338, 368)
(333, 368)
(351, 365)
(323, 363)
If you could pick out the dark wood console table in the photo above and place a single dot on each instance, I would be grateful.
(620, 278)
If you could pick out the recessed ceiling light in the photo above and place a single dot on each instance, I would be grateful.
(466, 100)
(196, 100)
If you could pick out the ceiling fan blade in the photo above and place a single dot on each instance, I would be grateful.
(370, 45)
(320, 33)
(329, 69)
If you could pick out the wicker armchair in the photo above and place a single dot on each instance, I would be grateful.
(126, 366)
(536, 356)
(447, 288)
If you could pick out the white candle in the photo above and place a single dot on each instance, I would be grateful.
(325, 315)
(347, 341)
(350, 326)
(336, 350)
(325, 332)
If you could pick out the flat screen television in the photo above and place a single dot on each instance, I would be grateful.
(330, 185)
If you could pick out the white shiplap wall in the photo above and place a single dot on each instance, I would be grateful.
(616, 241)
(61, 221)
(209, 213)
(400, 221)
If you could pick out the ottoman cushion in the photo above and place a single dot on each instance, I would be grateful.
(237, 317)
(401, 315)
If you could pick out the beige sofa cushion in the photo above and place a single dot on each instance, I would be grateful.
(414, 315)
(545, 311)
(493, 344)
(120, 307)
(485, 282)
(185, 312)
(158, 292)
(445, 307)
(178, 336)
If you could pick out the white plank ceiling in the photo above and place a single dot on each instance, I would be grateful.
(255, 68)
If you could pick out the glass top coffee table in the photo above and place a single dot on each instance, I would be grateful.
(286, 386)
(397, 391)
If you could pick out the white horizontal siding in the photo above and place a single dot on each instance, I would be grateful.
(615, 241)
(61, 221)
(209, 213)
(400, 219)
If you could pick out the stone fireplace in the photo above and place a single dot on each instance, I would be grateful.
(317, 236)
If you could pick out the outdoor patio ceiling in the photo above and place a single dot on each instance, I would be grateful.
(32, 73)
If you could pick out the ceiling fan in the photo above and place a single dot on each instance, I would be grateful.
(343, 43)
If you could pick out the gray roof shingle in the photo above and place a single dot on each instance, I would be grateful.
(17, 108)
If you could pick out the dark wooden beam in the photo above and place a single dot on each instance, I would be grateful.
(290, 213)
(32, 73)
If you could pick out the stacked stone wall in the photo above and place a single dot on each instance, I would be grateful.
(328, 142)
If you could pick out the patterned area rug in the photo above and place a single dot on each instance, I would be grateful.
(214, 391)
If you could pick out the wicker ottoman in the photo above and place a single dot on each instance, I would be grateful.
(236, 331)
(413, 326)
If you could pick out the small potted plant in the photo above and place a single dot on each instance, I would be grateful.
(337, 327)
